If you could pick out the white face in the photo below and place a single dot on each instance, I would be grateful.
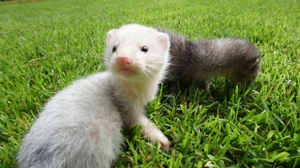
(135, 52)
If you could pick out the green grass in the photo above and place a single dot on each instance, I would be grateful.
(44, 46)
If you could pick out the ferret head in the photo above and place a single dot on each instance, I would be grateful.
(137, 53)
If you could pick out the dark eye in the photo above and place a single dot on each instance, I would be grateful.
(144, 49)
(114, 49)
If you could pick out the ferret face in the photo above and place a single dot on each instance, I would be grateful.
(137, 53)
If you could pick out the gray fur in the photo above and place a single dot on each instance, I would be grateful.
(80, 127)
(201, 60)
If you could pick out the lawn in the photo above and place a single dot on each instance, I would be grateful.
(46, 45)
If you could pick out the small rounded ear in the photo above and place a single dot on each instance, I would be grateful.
(164, 40)
(251, 64)
(110, 34)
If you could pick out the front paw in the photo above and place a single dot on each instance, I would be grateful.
(165, 144)
(153, 134)
(157, 135)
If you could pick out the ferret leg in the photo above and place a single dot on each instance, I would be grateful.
(152, 133)
(149, 130)
(204, 85)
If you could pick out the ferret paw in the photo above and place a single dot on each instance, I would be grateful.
(157, 135)
(154, 134)
(165, 144)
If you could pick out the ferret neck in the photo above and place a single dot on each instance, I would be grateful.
(144, 91)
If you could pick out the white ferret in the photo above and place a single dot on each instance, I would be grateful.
(80, 127)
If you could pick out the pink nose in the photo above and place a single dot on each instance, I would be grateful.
(123, 61)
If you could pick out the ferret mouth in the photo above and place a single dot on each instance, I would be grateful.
(126, 71)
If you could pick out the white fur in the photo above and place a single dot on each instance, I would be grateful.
(80, 127)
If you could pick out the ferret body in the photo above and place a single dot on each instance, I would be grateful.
(81, 125)
(201, 60)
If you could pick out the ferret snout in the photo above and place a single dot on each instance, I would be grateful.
(123, 61)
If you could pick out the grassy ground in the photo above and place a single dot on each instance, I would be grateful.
(44, 46)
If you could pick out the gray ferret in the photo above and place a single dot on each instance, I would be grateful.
(201, 60)
(80, 127)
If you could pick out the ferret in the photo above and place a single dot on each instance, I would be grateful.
(201, 60)
(80, 127)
